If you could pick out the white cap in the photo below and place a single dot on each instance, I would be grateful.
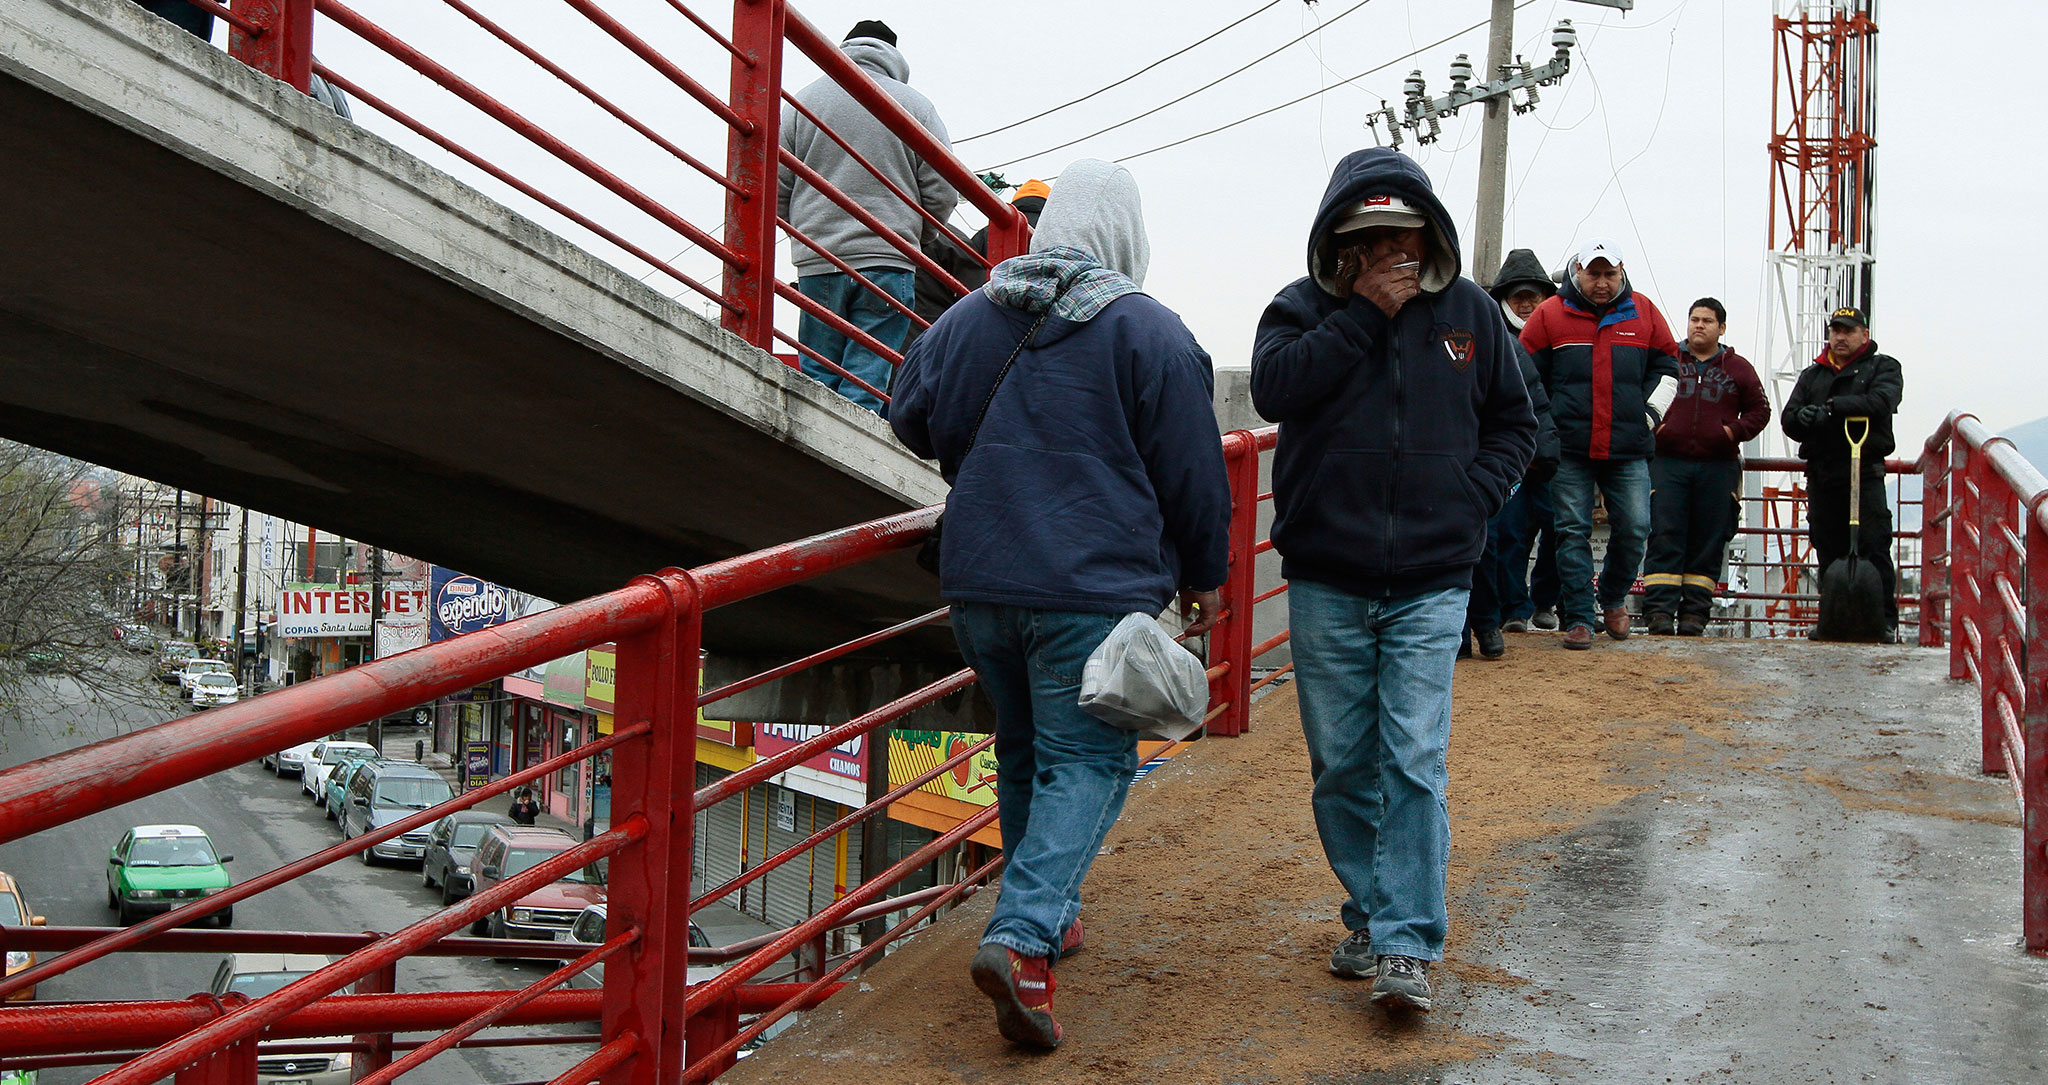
(1380, 211)
(1600, 248)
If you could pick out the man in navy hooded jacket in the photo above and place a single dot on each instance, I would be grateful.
(1404, 425)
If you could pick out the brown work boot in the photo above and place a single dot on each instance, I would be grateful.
(1578, 638)
(1021, 988)
(1616, 621)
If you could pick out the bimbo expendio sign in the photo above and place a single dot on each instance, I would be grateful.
(459, 604)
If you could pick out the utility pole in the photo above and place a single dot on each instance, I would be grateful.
(242, 597)
(1493, 150)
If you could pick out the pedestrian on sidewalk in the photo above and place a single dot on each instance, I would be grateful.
(1610, 365)
(872, 45)
(1404, 423)
(1696, 479)
(1528, 592)
(525, 809)
(1500, 574)
(1071, 414)
(1850, 379)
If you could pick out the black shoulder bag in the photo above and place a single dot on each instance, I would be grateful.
(928, 554)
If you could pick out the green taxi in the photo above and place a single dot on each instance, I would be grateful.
(155, 868)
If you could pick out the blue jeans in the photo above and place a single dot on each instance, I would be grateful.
(1524, 520)
(862, 309)
(1374, 685)
(1626, 485)
(1061, 774)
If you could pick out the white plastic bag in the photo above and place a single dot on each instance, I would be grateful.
(1140, 680)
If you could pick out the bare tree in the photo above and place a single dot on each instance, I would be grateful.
(63, 575)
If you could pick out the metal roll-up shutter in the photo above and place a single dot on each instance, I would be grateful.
(716, 848)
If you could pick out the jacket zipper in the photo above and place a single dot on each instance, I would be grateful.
(1400, 409)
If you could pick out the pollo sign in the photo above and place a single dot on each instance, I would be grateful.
(329, 610)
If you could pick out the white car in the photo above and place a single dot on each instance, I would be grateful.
(188, 675)
(320, 763)
(291, 762)
(258, 974)
(212, 690)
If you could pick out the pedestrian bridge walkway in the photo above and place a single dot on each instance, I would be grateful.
(1694, 861)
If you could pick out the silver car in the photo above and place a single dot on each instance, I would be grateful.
(258, 974)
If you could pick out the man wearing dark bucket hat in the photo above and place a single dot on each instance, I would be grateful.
(1850, 379)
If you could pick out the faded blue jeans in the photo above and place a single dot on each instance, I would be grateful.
(1061, 774)
(862, 309)
(1626, 485)
(1373, 679)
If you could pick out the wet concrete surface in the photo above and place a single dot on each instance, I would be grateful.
(1826, 892)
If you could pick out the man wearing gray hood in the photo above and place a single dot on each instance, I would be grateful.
(1094, 489)
(872, 45)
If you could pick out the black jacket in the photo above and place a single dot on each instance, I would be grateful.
(1871, 385)
(1398, 438)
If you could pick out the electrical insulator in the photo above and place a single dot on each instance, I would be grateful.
(1564, 38)
(1413, 86)
(1461, 72)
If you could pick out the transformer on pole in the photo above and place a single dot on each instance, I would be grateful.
(1823, 187)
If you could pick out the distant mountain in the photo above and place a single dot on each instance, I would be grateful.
(2031, 439)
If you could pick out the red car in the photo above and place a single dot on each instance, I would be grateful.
(507, 850)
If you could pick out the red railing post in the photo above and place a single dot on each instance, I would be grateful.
(2034, 731)
(710, 1028)
(373, 1050)
(285, 48)
(751, 164)
(1963, 562)
(234, 1064)
(1994, 555)
(649, 883)
(1936, 592)
(1230, 643)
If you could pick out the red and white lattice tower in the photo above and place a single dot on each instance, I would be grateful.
(1823, 187)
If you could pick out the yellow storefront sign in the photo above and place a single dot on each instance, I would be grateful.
(914, 753)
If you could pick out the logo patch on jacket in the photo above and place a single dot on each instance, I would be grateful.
(1459, 346)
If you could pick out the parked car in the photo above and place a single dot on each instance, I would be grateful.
(188, 675)
(508, 850)
(291, 761)
(388, 791)
(589, 927)
(14, 912)
(451, 845)
(49, 659)
(135, 637)
(155, 868)
(258, 974)
(343, 775)
(170, 659)
(326, 754)
(215, 689)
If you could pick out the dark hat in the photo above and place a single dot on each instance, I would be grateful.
(1521, 270)
(1848, 316)
(871, 28)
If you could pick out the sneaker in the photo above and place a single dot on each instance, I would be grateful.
(1616, 621)
(1490, 644)
(1692, 627)
(1021, 988)
(1353, 959)
(1073, 941)
(1662, 625)
(1578, 638)
(1545, 618)
(1403, 984)
(1515, 625)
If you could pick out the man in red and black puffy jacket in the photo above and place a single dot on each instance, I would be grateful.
(1609, 362)
(1696, 479)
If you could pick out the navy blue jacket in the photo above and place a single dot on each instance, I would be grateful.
(1097, 482)
(1399, 438)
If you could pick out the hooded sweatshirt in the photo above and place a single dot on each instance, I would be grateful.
(1610, 369)
(1096, 481)
(1521, 270)
(824, 221)
(1399, 437)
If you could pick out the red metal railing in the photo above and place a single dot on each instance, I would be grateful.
(276, 37)
(649, 1015)
(1986, 543)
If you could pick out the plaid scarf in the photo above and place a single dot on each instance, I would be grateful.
(1031, 281)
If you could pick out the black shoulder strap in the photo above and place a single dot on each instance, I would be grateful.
(1005, 371)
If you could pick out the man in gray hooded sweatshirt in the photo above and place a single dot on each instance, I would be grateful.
(1071, 414)
(872, 45)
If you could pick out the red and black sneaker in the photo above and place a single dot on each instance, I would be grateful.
(1021, 988)
(1073, 941)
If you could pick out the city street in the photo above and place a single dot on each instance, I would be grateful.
(263, 821)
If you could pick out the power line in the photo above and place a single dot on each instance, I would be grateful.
(1120, 82)
(1312, 94)
(1128, 120)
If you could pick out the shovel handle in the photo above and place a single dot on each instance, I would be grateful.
(1855, 472)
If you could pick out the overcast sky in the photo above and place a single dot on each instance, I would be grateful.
(1657, 138)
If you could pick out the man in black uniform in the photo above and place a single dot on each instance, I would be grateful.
(1850, 379)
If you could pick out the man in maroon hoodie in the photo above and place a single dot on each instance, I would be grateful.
(1696, 479)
